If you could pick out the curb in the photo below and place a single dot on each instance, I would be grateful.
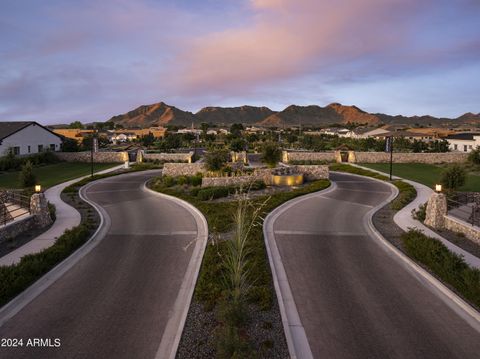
(45, 281)
(295, 335)
(457, 304)
(178, 316)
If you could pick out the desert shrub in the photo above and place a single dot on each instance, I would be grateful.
(168, 181)
(17, 277)
(271, 154)
(52, 210)
(453, 177)
(474, 157)
(27, 177)
(407, 194)
(420, 213)
(215, 160)
(450, 267)
(181, 180)
(208, 193)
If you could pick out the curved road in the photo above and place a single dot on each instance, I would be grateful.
(354, 298)
(115, 301)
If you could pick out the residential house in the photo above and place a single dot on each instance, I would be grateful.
(464, 142)
(24, 138)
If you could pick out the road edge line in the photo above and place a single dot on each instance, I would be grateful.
(174, 328)
(295, 335)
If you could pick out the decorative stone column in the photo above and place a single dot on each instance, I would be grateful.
(436, 211)
(139, 156)
(39, 208)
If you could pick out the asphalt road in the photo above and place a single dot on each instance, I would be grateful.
(115, 302)
(356, 300)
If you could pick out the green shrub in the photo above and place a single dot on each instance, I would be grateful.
(407, 193)
(215, 160)
(53, 211)
(168, 181)
(453, 177)
(474, 157)
(27, 177)
(195, 180)
(271, 154)
(421, 213)
(182, 180)
(17, 277)
(209, 193)
(449, 266)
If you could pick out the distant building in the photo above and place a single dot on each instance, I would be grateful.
(24, 138)
(464, 142)
(76, 134)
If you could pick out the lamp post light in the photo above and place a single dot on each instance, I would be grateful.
(38, 188)
(438, 188)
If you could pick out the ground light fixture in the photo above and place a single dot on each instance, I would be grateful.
(38, 188)
(438, 188)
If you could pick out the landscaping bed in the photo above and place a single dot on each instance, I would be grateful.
(213, 328)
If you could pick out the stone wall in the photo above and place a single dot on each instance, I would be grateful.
(183, 169)
(459, 226)
(309, 172)
(169, 157)
(39, 218)
(98, 157)
(377, 157)
(399, 157)
(312, 172)
(16, 228)
(229, 181)
(307, 156)
(436, 217)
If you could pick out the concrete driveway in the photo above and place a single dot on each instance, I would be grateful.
(354, 298)
(116, 301)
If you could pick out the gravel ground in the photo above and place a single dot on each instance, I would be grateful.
(265, 331)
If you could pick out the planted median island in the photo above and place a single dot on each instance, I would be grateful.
(234, 311)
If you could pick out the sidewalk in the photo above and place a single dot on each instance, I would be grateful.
(67, 217)
(405, 220)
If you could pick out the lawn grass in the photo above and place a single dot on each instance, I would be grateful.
(427, 174)
(51, 175)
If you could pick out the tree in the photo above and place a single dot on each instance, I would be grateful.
(204, 126)
(27, 177)
(271, 154)
(147, 140)
(70, 145)
(237, 145)
(453, 177)
(236, 129)
(77, 125)
(474, 156)
(216, 159)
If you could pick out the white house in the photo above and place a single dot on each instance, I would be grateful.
(25, 138)
(464, 142)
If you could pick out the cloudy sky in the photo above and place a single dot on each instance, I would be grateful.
(66, 60)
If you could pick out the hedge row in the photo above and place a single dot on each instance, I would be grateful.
(450, 267)
(11, 162)
(17, 277)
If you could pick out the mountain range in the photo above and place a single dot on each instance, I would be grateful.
(161, 114)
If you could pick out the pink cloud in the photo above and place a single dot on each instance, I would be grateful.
(286, 38)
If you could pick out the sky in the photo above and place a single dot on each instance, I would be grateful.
(87, 60)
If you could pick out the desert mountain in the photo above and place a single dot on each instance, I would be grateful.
(316, 115)
(230, 115)
(159, 114)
